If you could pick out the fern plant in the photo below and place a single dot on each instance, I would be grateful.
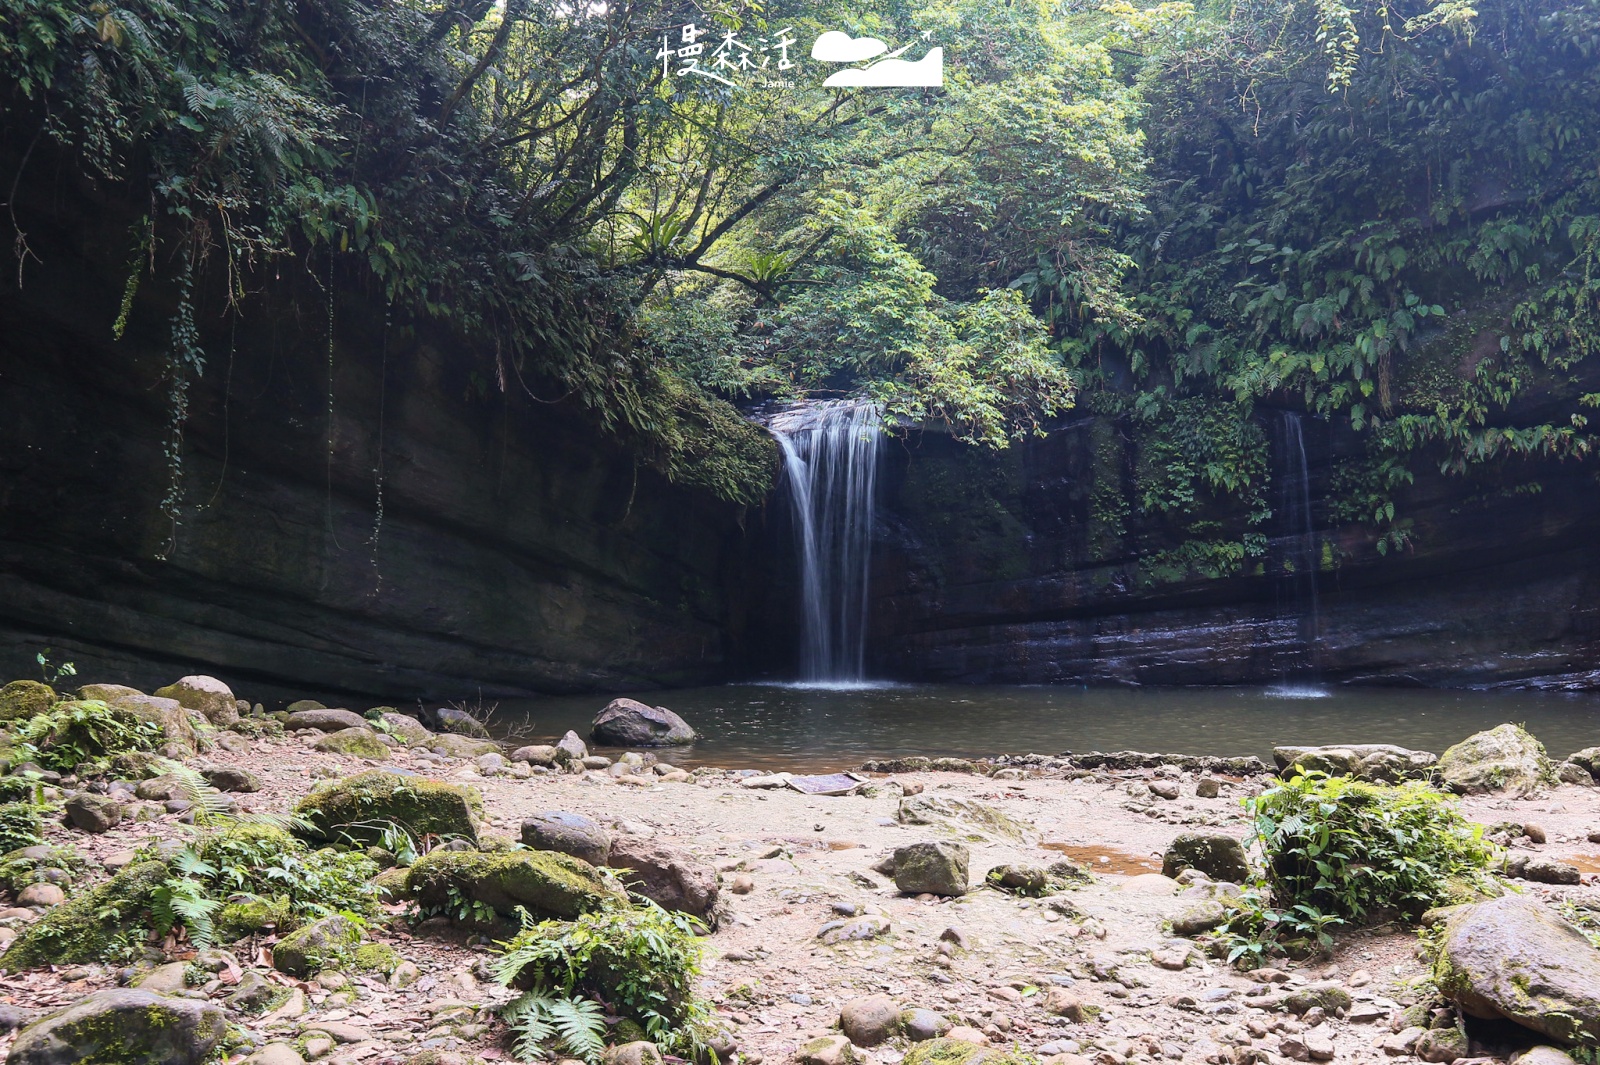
(637, 961)
(576, 1024)
(247, 858)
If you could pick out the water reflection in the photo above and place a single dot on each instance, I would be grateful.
(817, 729)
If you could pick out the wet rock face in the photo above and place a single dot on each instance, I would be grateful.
(1005, 568)
(522, 550)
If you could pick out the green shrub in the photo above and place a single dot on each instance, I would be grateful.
(640, 960)
(70, 734)
(264, 860)
(1341, 851)
(20, 789)
(20, 826)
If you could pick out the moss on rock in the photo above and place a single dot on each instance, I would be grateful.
(253, 917)
(942, 1051)
(25, 698)
(391, 884)
(124, 1026)
(376, 958)
(319, 945)
(357, 741)
(547, 884)
(361, 807)
(92, 926)
(40, 864)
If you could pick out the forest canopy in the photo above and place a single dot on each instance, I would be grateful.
(1178, 215)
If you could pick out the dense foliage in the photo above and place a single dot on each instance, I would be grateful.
(636, 961)
(1183, 216)
(1338, 850)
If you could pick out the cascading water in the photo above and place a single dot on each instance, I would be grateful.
(1299, 556)
(830, 455)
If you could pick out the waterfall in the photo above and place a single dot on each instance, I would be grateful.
(1300, 554)
(830, 456)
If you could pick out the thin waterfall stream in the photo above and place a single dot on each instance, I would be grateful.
(830, 455)
(1300, 557)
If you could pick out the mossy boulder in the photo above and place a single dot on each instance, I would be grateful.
(547, 884)
(107, 693)
(1516, 959)
(322, 944)
(208, 695)
(460, 723)
(253, 917)
(1503, 759)
(943, 1051)
(179, 728)
(973, 820)
(362, 806)
(91, 926)
(25, 698)
(325, 720)
(452, 746)
(376, 958)
(391, 885)
(936, 868)
(357, 742)
(408, 730)
(41, 864)
(124, 1026)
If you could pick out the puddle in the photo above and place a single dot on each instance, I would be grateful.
(1585, 863)
(1107, 859)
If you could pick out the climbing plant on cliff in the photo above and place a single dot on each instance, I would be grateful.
(1382, 214)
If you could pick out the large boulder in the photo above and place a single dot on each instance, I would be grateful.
(629, 723)
(1382, 763)
(1216, 854)
(452, 746)
(360, 807)
(208, 695)
(460, 723)
(1505, 758)
(547, 884)
(405, 728)
(935, 868)
(966, 817)
(870, 1021)
(669, 876)
(25, 698)
(125, 1026)
(178, 724)
(91, 925)
(358, 742)
(574, 834)
(323, 944)
(325, 720)
(1514, 958)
